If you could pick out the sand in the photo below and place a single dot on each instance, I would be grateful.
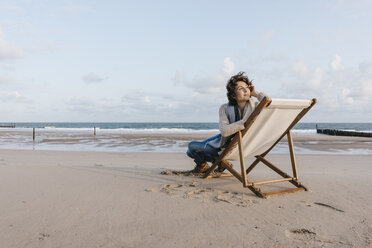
(108, 199)
(162, 142)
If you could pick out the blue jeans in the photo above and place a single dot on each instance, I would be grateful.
(202, 152)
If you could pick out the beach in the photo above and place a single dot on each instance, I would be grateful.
(100, 103)
(114, 140)
(120, 199)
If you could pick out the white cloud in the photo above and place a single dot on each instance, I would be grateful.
(363, 89)
(316, 80)
(341, 90)
(228, 66)
(17, 25)
(268, 35)
(5, 79)
(93, 78)
(11, 9)
(145, 102)
(366, 68)
(345, 96)
(179, 78)
(72, 10)
(8, 51)
(80, 100)
(300, 69)
(13, 96)
(169, 107)
(134, 106)
(85, 104)
(7, 67)
(207, 83)
(354, 9)
(336, 63)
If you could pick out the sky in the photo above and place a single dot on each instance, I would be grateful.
(169, 61)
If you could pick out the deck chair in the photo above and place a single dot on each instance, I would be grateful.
(271, 120)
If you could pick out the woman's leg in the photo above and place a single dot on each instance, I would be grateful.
(201, 152)
(212, 138)
(210, 153)
(195, 151)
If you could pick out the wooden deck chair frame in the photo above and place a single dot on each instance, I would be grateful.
(242, 177)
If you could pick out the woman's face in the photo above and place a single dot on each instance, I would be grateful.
(242, 91)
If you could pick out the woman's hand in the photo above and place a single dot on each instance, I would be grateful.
(253, 91)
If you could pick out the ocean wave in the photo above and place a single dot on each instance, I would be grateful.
(160, 130)
(120, 130)
(357, 131)
(157, 130)
(304, 131)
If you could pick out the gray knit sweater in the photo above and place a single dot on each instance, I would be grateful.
(227, 124)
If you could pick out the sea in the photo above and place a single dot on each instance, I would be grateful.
(78, 135)
(174, 127)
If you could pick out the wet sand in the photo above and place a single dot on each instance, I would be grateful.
(113, 199)
(165, 142)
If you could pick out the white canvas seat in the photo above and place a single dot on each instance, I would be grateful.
(268, 124)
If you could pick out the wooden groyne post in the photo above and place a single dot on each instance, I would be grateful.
(94, 131)
(33, 134)
(12, 125)
(336, 132)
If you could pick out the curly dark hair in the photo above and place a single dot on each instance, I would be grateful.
(232, 83)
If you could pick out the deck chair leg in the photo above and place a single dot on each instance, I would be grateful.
(242, 162)
(210, 170)
(229, 167)
(273, 167)
(291, 152)
(252, 165)
(282, 173)
(257, 191)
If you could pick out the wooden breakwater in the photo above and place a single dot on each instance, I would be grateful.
(12, 125)
(343, 133)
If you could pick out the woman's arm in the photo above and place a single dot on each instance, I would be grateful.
(260, 96)
(255, 93)
(225, 127)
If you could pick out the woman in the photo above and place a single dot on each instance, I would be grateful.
(232, 116)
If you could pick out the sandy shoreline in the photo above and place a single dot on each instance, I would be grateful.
(111, 199)
(168, 142)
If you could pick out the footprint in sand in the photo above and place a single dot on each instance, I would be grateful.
(188, 173)
(193, 190)
(308, 236)
(167, 188)
(239, 200)
(364, 231)
(300, 234)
